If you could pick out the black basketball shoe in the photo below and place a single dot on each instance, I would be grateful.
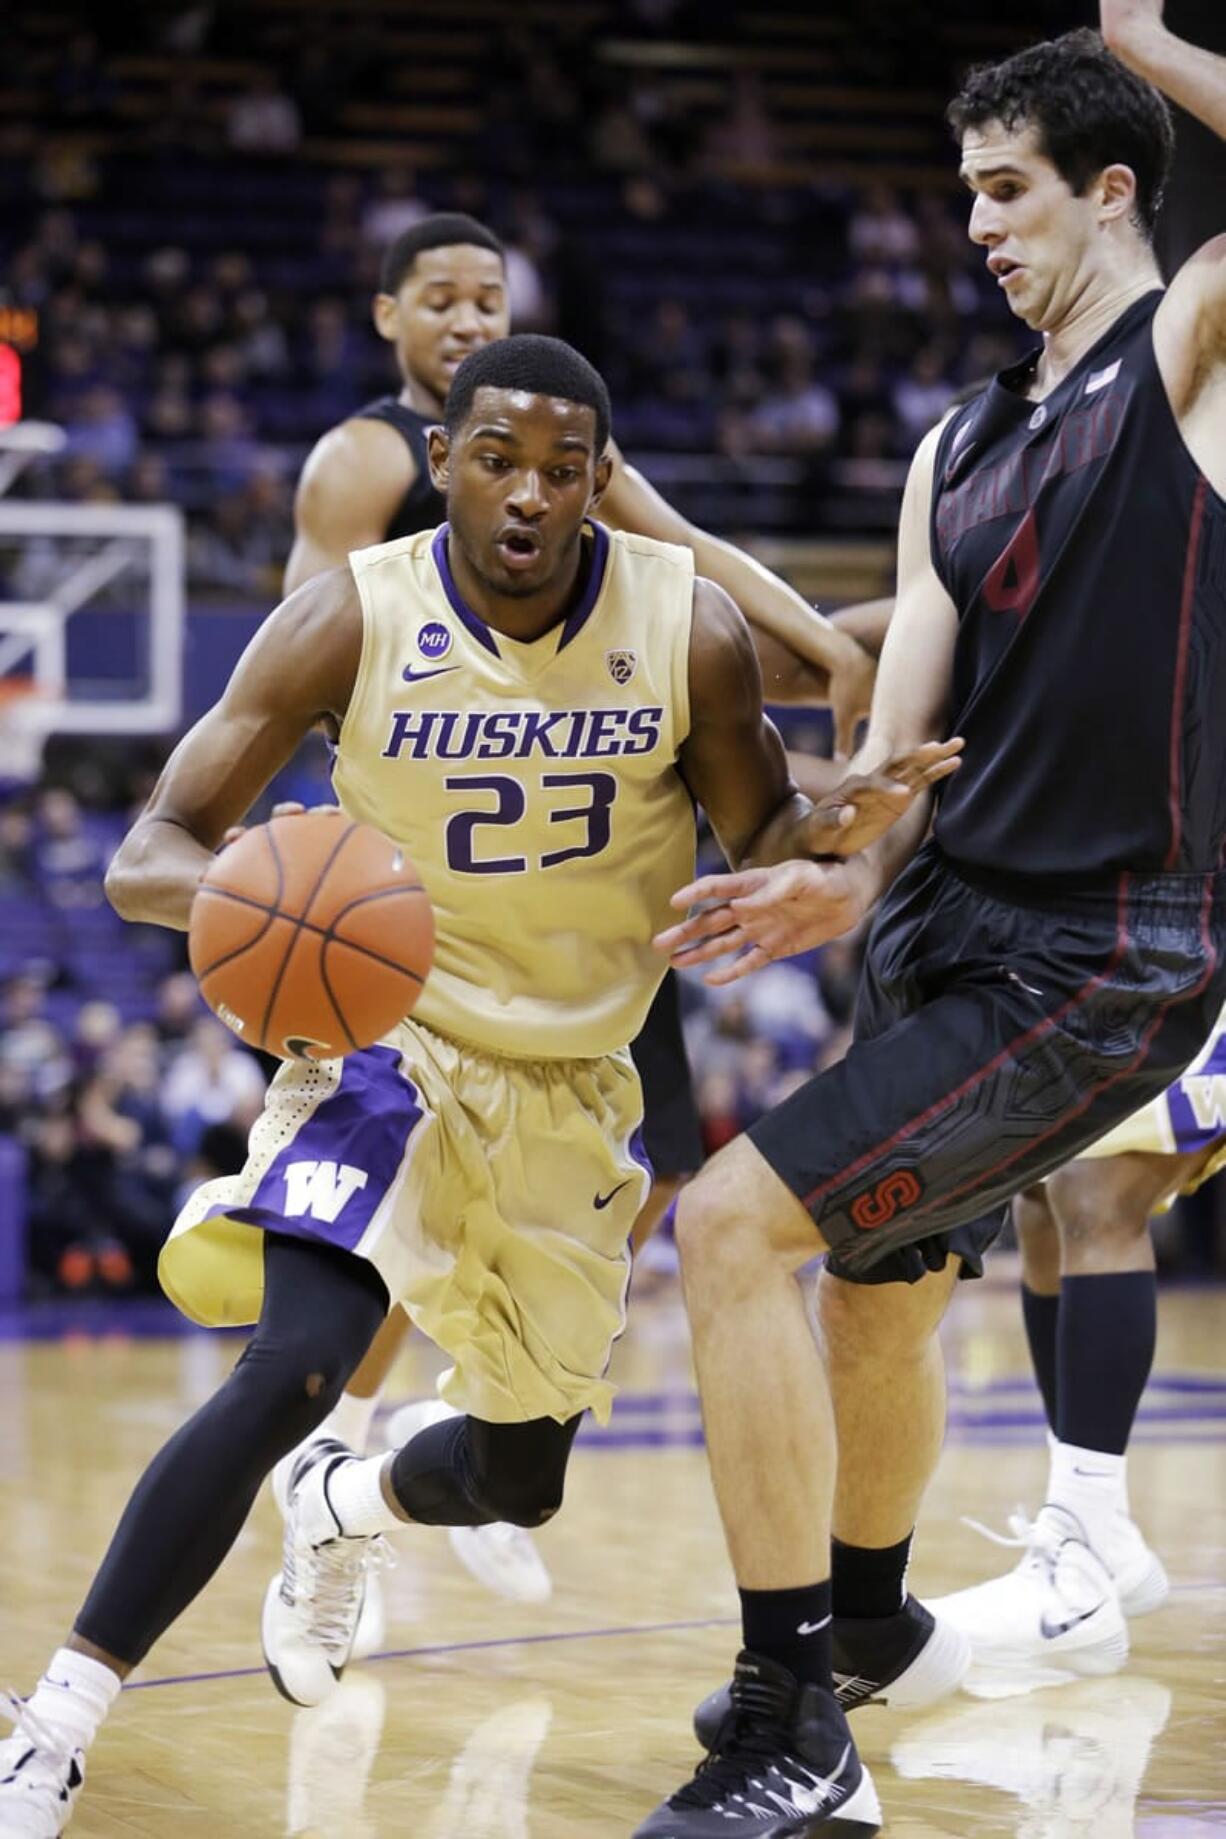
(783, 1766)
(906, 1660)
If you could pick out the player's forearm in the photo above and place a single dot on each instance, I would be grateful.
(155, 873)
(785, 836)
(1191, 76)
(867, 621)
(885, 859)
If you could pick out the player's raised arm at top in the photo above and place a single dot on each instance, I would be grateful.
(353, 481)
(299, 667)
(804, 656)
(1190, 328)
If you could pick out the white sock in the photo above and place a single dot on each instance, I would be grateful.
(355, 1494)
(1091, 1485)
(350, 1420)
(74, 1695)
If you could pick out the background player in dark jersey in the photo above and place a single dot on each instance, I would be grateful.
(367, 480)
(1055, 953)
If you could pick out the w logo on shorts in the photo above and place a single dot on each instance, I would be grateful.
(322, 1189)
(878, 1205)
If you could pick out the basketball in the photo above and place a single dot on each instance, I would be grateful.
(311, 936)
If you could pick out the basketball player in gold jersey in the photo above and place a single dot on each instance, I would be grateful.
(530, 705)
(442, 296)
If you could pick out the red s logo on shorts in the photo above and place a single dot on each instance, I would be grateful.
(878, 1205)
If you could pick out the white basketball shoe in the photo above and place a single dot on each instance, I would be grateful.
(502, 1557)
(372, 1618)
(1137, 1572)
(1058, 1607)
(312, 1605)
(40, 1775)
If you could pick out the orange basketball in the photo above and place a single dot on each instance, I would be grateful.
(311, 936)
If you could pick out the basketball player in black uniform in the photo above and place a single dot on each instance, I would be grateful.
(1054, 953)
(443, 295)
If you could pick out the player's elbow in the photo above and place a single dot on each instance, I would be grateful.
(121, 884)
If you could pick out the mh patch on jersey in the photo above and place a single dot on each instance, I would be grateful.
(434, 639)
(622, 665)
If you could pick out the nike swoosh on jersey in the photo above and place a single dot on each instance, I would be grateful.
(419, 676)
(602, 1200)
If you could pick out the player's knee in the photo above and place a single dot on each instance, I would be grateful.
(715, 1240)
(1099, 1208)
(868, 1324)
(292, 1382)
(520, 1500)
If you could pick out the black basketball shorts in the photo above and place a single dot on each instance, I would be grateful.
(672, 1134)
(999, 1031)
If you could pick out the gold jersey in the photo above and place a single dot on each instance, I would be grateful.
(533, 785)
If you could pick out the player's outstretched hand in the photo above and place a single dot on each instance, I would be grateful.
(864, 806)
(291, 808)
(851, 675)
(761, 914)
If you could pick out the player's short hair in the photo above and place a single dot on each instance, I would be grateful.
(541, 366)
(442, 231)
(1089, 109)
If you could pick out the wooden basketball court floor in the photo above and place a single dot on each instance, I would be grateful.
(490, 1720)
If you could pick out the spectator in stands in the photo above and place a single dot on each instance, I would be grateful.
(244, 546)
(97, 1030)
(265, 119)
(121, 1107)
(29, 1042)
(179, 1007)
(101, 428)
(718, 1107)
(744, 134)
(881, 232)
(16, 844)
(394, 208)
(798, 414)
(259, 335)
(211, 1081)
(69, 855)
(231, 454)
(922, 396)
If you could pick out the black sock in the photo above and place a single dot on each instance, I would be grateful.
(1041, 1314)
(869, 1580)
(1105, 1348)
(791, 1627)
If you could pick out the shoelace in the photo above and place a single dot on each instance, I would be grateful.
(329, 1580)
(754, 1735)
(1021, 1530)
(53, 1747)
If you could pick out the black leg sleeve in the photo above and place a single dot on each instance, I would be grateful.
(465, 1472)
(322, 1308)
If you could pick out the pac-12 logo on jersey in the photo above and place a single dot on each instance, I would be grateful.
(622, 665)
(434, 640)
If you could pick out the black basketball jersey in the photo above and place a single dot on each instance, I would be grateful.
(1086, 555)
(422, 507)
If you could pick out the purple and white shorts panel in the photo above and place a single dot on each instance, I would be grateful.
(330, 1179)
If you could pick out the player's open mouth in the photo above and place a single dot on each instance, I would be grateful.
(1003, 268)
(518, 548)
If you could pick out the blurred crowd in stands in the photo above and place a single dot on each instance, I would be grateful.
(203, 275)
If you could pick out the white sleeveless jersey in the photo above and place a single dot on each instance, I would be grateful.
(533, 785)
